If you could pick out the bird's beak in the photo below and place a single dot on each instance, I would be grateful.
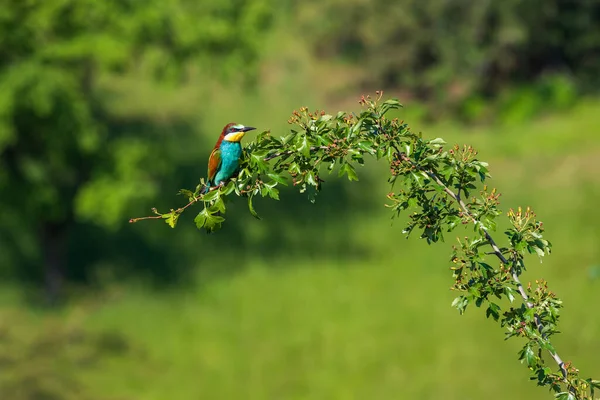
(248, 128)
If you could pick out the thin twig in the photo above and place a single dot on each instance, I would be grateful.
(278, 154)
(195, 199)
(497, 252)
(134, 220)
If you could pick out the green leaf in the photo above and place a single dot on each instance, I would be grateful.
(294, 168)
(545, 344)
(208, 220)
(529, 314)
(349, 170)
(452, 221)
(186, 193)
(200, 219)
(278, 178)
(258, 155)
(171, 218)
(537, 250)
(529, 356)
(493, 310)
(565, 396)
(219, 205)
(392, 102)
(391, 154)
(211, 195)
(311, 179)
(489, 223)
(304, 147)
(251, 208)
(366, 146)
(437, 141)
(229, 188)
(274, 193)
(461, 303)
(447, 171)
(509, 292)
(356, 128)
(417, 178)
(286, 139)
(594, 383)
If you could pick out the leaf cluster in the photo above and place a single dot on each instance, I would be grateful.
(318, 145)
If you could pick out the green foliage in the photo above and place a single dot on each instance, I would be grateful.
(438, 187)
(322, 142)
(86, 95)
(453, 52)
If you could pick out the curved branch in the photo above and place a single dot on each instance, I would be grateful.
(496, 251)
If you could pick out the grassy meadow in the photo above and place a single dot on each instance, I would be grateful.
(364, 313)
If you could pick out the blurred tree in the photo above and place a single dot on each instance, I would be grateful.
(89, 92)
(449, 50)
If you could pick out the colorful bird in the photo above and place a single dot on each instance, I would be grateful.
(225, 157)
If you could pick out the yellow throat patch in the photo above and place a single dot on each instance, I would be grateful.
(234, 136)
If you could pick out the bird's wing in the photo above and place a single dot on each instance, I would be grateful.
(214, 162)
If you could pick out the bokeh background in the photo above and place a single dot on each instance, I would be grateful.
(108, 108)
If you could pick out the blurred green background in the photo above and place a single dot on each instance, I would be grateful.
(108, 108)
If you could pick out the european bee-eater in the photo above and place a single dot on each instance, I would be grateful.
(225, 157)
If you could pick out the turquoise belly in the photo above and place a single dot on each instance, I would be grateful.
(230, 161)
